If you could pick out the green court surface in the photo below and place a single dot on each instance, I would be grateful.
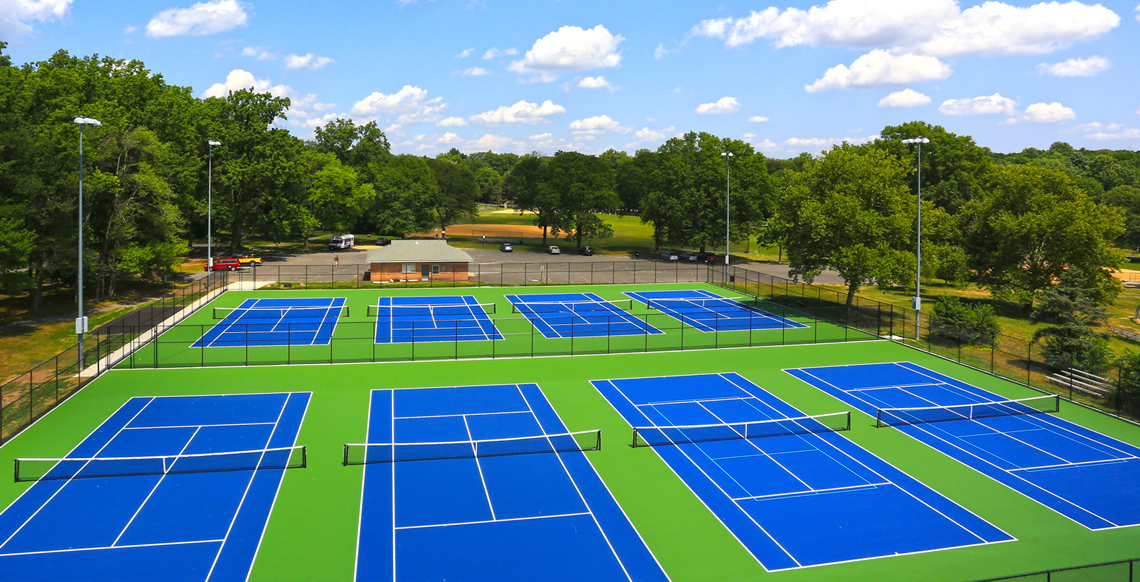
(312, 532)
(354, 338)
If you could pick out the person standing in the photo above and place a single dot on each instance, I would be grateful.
(336, 261)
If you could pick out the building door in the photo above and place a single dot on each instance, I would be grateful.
(425, 272)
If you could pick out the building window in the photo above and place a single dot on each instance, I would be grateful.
(435, 269)
(409, 268)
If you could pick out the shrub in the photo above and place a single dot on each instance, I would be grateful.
(971, 324)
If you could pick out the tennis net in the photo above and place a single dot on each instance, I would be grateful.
(924, 414)
(442, 311)
(709, 304)
(278, 313)
(572, 306)
(32, 469)
(367, 454)
(652, 436)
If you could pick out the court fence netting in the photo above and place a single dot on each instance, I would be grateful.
(1122, 571)
(570, 442)
(27, 396)
(31, 469)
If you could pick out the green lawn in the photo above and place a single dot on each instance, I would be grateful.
(311, 534)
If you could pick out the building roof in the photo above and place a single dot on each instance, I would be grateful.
(418, 251)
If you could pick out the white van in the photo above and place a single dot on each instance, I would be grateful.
(342, 241)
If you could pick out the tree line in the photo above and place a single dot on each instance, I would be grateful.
(1012, 223)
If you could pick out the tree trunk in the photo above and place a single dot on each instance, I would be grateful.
(544, 238)
(852, 288)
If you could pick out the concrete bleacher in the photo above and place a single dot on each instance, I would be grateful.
(1082, 381)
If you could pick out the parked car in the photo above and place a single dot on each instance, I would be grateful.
(687, 256)
(586, 251)
(229, 264)
(249, 260)
(706, 257)
(669, 256)
(507, 247)
(383, 241)
(553, 250)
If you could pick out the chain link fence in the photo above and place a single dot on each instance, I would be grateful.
(1123, 571)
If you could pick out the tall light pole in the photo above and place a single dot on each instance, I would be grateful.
(918, 249)
(210, 209)
(727, 210)
(80, 320)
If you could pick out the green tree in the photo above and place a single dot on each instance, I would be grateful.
(1127, 198)
(404, 193)
(457, 195)
(850, 211)
(1030, 226)
(953, 166)
(583, 186)
(354, 145)
(971, 324)
(1074, 340)
(525, 186)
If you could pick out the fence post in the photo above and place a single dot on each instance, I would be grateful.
(413, 340)
(1028, 363)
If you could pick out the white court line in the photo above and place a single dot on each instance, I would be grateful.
(454, 415)
(363, 484)
(210, 344)
(476, 317)
(987, 462)
(562, 462)
(531, 311)
(69, 480)
(152, 490)
(719, 488)
(73, 550)
(246, 492)
(479, 466)
(876, 473)
(696, 401)
(815, 491)
(1075, 464)
(505, 519)
(198, 425)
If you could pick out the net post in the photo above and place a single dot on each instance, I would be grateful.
(344, 460)
(599, 447)
(16, 471)
(848, 421)
(634, 444)
(879, 418)
(304, 457)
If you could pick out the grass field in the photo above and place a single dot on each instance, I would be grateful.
(311, 534)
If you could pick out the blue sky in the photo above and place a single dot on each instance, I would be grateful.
(587, 75)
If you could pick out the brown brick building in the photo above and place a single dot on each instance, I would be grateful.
(418, 260)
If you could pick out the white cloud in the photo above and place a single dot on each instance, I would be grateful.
(757, 119)
(541, 137)
(394, 129)
(315, 122)
(494, 52)
(850, 23)
(18, 15)
(496, 143)
(592, 127)
(598, 82)
(979, 106)
(904, 98)
(199, 19)
(466, 53)
(722, 105)
(570, 48)
(449, 138)
(768, 145)
(1048, 113)
(880, 68)
(452, 122)
(521, 112)
(257, 52)
(1076, 67)
(1115, 131)
(651, 136)
(239, 79)
(410, 103)
(308, 61)
(999, 28)
(660, 52)
(931, 27)
(811, 142)
(127, 30)
(475, 72)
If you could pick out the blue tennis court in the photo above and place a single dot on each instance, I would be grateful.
(709, 312)
(275, 322)
(1086, 476)
(797, 497)
(180, 514)
(569, 315)
(498, 514)
(433, 319)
